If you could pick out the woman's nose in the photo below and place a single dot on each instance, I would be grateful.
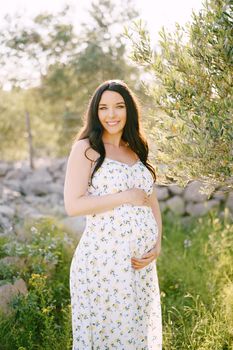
(111, 112)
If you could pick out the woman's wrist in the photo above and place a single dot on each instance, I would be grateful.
(125, 197)
(122, 197)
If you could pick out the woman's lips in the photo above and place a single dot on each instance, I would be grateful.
(112, 123)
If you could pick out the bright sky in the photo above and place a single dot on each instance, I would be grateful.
(154, 12)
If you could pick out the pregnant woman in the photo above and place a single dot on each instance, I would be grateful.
(115, 295)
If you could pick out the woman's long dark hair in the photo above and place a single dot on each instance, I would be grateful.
(132, 133)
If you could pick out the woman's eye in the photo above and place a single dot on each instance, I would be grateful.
(117, 107)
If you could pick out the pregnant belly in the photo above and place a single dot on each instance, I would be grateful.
(140, 222)
(145, 233)
(126, 223)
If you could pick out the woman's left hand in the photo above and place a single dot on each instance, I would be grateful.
(147, 258)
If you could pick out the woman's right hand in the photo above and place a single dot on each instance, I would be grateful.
(137, 196)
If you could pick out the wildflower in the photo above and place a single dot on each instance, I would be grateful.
(45, 310)
(187, 243)
(37, 280)
(162, 294)
(34, 229)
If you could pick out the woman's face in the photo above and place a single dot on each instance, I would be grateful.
(112, 112)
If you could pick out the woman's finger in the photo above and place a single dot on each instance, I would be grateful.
(142, 263)
(142, 260)
(145, 258)
(148, 255)
(141, 266)
(136, 263)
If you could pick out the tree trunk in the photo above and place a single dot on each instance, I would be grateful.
(29, 137)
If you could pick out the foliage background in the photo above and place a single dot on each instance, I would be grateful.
(187, 114)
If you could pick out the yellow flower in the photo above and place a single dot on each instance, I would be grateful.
(37, 280)
(45, 310)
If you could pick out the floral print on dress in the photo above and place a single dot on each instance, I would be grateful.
(113, 305)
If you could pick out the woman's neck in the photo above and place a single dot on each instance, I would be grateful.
(122, 144)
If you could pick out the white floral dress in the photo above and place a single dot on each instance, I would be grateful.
(113, 305)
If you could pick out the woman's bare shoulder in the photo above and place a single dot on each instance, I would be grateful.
(84, 147)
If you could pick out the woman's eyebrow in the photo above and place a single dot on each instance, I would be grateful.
(104, 104)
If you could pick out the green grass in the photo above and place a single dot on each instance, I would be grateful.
(196, 283)
(195, 271)
(42, 318)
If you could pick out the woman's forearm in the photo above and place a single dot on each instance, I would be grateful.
(88, 205)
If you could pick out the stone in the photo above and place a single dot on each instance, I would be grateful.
(8, 291)
(34, 200)
(191, 192)
(13, 260)
(57, 188)
(57, 165)
(163, 206)
(5, 225)
(6, 210)
(11, 190)
(1, 190)
(174, 189)
(18, 174)
(11, 184)
(4, 168)
(162, 193)
(27, 211)
(220, 195)
(229, 202)
(200, 209)
(41, 174)
(176, 205)
(36, 187)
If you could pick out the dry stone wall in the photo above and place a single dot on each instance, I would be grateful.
(29, 194)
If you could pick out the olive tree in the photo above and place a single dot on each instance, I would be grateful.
(190, 81)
